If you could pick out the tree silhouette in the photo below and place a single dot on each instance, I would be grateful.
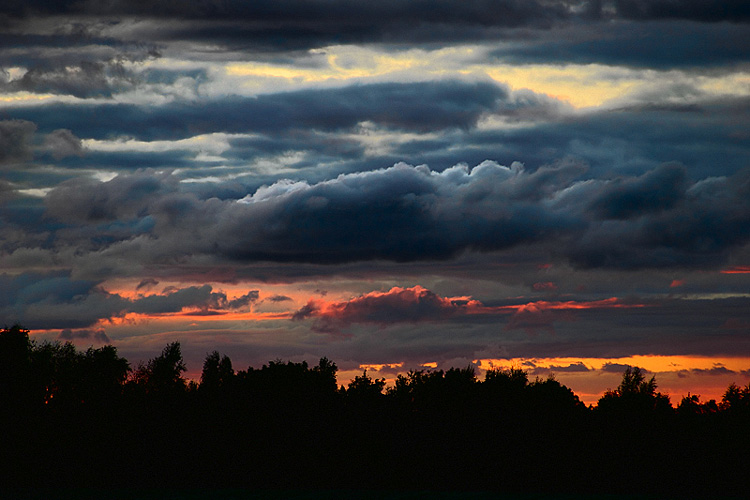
(365, 389)
(217, 372)
(635, 395)
(162, 374)
(15, 363)
(289, 419)
(691, 405)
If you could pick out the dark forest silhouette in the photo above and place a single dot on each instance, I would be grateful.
(87, 419)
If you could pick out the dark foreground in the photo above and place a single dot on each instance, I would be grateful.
(306, 495)
(86, 425)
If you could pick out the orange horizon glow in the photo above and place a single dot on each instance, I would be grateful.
(736, 270)
(676, 375)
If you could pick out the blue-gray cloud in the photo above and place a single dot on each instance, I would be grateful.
(405, 213)
(55, 300)
(660, 45)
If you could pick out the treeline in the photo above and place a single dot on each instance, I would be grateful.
(88, 419)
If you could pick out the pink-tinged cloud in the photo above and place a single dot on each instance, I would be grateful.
(397, 305)
(544, 286)
(542, 314)
(536, 316)
(418, 304)
(737, 270)
(677, 283)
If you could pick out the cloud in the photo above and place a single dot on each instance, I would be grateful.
(685, 226)
(98, 335)
(654, 191)
(284, 25)
(146, 283)
(15, 141)
(618, 368)
(409, 214)
(88, 79)
(694, 10)
(54, 300)
(544, 286)
(658, 44)
(411, 305)
(315, 134)
(537, 316)
(715, 371)
(418, 304)
(62, 143)
(421, 107)
(278, 298)
(193, 297)
(240, 302)
(578, 367)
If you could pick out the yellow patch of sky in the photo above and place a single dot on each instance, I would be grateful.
(580, 85)
(342, 63)
(651, 363)
(738, 83)
(213, 143)
(22, 97)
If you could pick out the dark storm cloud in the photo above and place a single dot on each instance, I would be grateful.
(297, 25)
(68, 58)
(87, 79)
(708, 138)
(694, 10)
(98, 335)
(699, 230)
(660, 45)
(419, 107)
(294, 24)
(201, 297)
(407, 214)
(479, 11)
(440, 11)
(62, 143)
(654, 191)
(15, 141)
(402, 213)
(55, 300)
(122, 198)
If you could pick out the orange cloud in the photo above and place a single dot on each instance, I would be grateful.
(542, 314)
(418, 304)
(736, 270)
(394, 306)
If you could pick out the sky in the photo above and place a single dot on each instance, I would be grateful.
(561, 186)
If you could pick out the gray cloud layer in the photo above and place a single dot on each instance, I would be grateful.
(406, 213)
